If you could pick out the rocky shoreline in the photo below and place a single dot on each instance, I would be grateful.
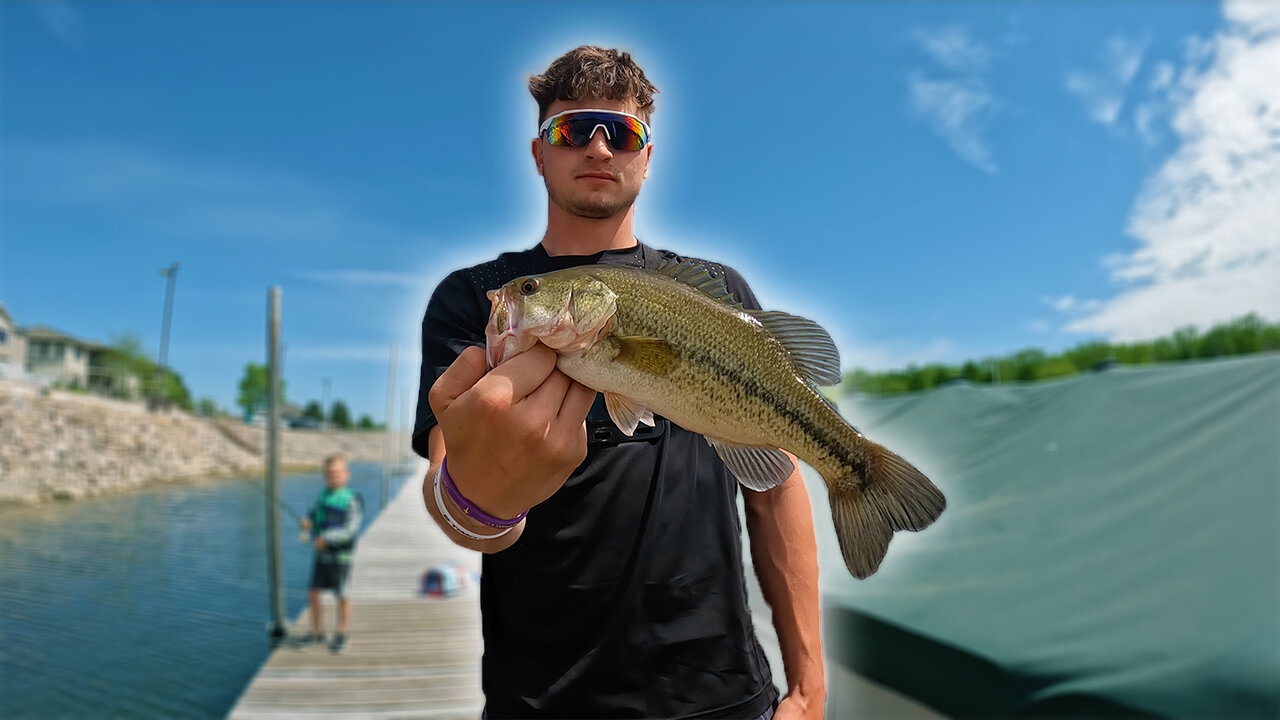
(60, 446)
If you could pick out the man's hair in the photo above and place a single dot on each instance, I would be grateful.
(590, 71)
(335, 457)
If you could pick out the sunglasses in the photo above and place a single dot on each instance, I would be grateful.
(574, 128)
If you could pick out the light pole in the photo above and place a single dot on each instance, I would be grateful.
(324, 405)
(171, 273)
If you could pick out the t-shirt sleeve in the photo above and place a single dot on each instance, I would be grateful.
(454, 320)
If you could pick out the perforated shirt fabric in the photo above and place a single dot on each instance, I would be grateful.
(625, 596)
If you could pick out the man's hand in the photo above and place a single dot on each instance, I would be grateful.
(320, 544)
(797, 707)
(515, 433)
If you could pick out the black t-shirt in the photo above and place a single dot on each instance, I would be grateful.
(626, 595)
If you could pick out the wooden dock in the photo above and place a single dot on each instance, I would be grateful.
(412, 656)
(408, 655)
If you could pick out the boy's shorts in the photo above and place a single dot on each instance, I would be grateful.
(331, 576)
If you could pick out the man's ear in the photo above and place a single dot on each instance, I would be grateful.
(536, 148)
(648, 156)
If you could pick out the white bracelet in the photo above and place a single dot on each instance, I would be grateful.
(444, 512)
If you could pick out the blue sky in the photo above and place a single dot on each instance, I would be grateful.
(931, 182)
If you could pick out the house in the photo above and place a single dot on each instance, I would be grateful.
(59, 359)
(13, 347)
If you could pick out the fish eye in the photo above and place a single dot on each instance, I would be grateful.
(529, 287)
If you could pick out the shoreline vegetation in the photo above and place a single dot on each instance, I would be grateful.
(61, 446)
(1243, 336)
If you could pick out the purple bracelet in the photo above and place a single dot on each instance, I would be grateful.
(469, 507)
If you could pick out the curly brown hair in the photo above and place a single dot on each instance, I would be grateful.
(590, 71)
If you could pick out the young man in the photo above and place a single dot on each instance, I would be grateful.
(333, 522)
(621, 592)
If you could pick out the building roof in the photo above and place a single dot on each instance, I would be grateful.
(5, 314)
(44, 332)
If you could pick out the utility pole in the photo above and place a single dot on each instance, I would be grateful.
(171, 273)
(276, 630)
(324, 405)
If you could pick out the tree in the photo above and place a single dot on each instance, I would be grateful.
(207, 407)
(125, 358)
(366, 423)
(339, 415)
(254, 391)
(313, 411)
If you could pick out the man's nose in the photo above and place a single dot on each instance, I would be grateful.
(598, 145)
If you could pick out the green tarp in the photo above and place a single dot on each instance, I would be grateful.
(1110, 546)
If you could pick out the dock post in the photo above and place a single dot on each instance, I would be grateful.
(276, 630)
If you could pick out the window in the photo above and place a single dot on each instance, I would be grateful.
(4, 336)
(79, 353)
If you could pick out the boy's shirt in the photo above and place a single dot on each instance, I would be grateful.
(336, 517)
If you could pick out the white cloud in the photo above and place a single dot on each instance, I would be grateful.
(1069, 303)
(1208, 221)
(956, 101)
(1103, 90)
(951, 47)
(365, 278)
(959, 111)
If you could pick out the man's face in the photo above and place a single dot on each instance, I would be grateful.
(595, 181)
(336, 474)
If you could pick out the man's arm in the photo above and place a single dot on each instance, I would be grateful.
(785, 553)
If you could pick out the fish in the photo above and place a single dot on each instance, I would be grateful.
(674, 341)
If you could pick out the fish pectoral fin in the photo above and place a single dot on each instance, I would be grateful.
(812, 350)
(651, 355)
(626, 413)
(757, 468)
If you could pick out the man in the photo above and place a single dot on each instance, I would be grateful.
(333, 522)
(621, 592)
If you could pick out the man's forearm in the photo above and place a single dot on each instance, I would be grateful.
(785, 554)
(436, 452)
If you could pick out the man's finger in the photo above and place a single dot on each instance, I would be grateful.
(545, 401)
(458, 378)
(577, 403)
(524, 372)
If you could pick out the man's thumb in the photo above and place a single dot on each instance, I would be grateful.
(458, 378)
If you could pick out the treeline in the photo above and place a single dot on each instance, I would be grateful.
(127, 373)
(1249, 334)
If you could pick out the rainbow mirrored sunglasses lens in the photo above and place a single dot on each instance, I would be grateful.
(575, 128)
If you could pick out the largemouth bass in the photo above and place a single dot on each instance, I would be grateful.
(675, 343)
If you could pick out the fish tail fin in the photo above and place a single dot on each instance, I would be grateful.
(892, 496)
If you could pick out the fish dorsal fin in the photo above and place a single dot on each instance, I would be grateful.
(757, 468)
(701, 277)
(626, 413)
(812, 350)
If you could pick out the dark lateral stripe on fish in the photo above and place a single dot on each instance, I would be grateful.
(821, 434)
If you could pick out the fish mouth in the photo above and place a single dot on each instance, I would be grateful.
(503, 336)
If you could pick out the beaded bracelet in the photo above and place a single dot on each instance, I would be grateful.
(444, 512)
(470, 508)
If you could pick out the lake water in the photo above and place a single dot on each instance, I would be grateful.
(151, 603)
